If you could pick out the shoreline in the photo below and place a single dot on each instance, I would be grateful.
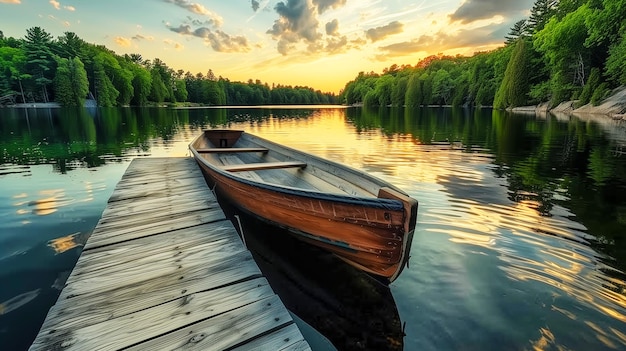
(613, 107)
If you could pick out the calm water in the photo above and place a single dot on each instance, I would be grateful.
(521, 236)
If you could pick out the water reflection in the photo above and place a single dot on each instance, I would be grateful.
(68, 242)
(348, 307)
(521, 231)
(18, 301)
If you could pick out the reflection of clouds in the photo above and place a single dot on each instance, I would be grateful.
(51, 200)
(464, 199)
(65, 243)
(18, 301)
(546, 341)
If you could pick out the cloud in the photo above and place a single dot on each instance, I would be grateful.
(139, 37)
(380, 33)
(337, 45)
(10, 2)
(198, 9)
(332, 27)
(175, 45)
(298, 23)
(121, 41)
(296, 17)
(255, 5)
(441, 41)
(217, 39)
(474, 10)
(54, 3)
(323, 5)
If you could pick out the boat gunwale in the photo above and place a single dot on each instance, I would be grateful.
(374, 202)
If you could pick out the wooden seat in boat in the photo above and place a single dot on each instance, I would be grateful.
(232, 149)
(263, 165)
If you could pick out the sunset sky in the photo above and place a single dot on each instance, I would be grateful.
(318, 43)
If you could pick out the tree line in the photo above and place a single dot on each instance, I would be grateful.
(68, 70)
(565, 50)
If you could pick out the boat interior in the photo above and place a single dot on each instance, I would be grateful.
(259, 160)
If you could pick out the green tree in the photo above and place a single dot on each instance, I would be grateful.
(442, 87)
(616, 62)
(106, 93)
(414, 97)
(562, 43)
(39, 60)
(181, 90)
(12, 62)
(520, 29)
(541, 12)
(142, 85)
(158, 91)
(70, 46)
(70, 82)
(592, 83)
(398, 91)
(514, 87)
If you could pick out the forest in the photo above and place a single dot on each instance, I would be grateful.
(565, 50)
(68, 70)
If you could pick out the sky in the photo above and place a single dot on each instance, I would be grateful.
(322, 44)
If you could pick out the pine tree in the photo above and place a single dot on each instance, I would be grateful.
(39, 58)
(541, 13)
(520, 29)
(70, 83)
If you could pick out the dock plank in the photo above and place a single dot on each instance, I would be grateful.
(226, 330)
(99, 305)
(137, 327)
(165, 273)
(164, 269)
(146, 206)
(181, 240)
(143, 227)
(284, 339)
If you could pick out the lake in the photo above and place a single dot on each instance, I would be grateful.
(520, 241)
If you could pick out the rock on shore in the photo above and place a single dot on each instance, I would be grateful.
(614, 106)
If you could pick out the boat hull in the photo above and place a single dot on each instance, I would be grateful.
(370, 234)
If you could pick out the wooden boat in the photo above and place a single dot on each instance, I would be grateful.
(362, 219)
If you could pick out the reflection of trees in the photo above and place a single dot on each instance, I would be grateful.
(544, 160)
(76, 137)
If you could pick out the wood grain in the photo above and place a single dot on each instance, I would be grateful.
(263, 166)
(162, 261)
(226, 330)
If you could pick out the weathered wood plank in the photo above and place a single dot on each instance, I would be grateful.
(288, 338)
(158, 175)
(155, 167)
(169, 272)
(180, 240)
(159, 256)
(145, 206)
(141, 228)
(225, 330)
(122, 330)
(263, 165)
(160, 190)
(97, 305)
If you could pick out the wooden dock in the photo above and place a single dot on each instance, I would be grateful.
(165, 269)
